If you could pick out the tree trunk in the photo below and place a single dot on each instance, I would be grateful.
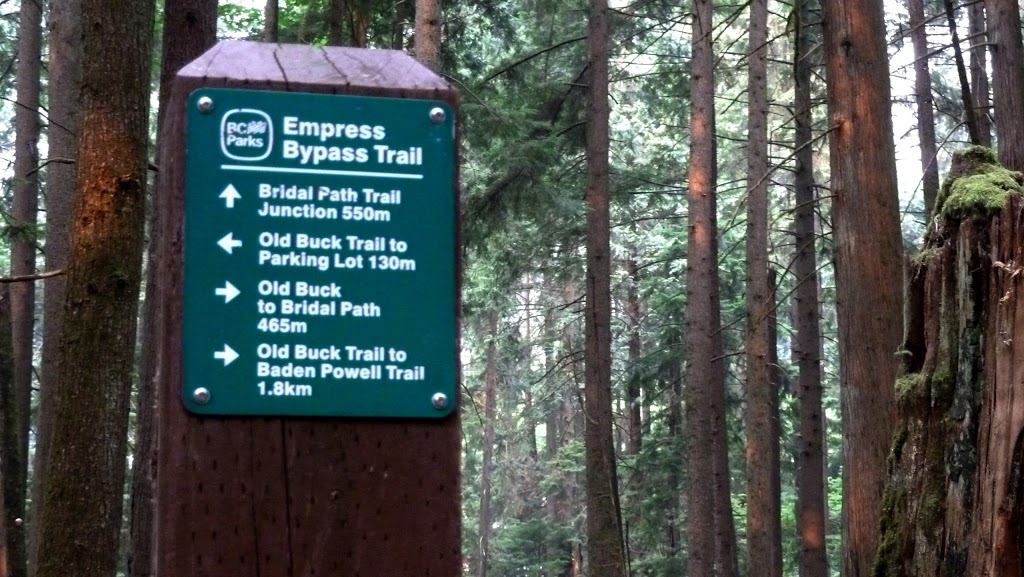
(775, 446)
(970, 113)
(868, 261)
(84, 481)
(336, 10)
(811, 513)
(428, 33)
(22, 231)
(633, 399)
(486, 465)
(604, 531)
(65, 67)
(1004, 36)
(574, 424)
(925, 107)
(979, 72)
(673, 534)
(190, 28)
(709, 526)
(8, 438)
(953, 501)
(271, 13)
(762, 464)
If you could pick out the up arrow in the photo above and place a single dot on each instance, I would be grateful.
(228, 243)
(228, 291)
(230, 195)
(227, 355)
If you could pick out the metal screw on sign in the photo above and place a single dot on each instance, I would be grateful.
(440, 401)
(201, 395)
(437, 115)
(205, 104)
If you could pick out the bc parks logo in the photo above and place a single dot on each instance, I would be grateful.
(246, 134)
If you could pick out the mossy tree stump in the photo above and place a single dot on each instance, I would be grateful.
(954, 503)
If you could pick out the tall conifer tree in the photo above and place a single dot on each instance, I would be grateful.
(24, 208)
(65, 68)
(710, 526)
(84, 481)
(604, 533)
(811, 511)
(763, 542)
(868, 261)
(1004, 35)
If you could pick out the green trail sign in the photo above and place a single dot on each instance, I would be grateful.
(319, 255)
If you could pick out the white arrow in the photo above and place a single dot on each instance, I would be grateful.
(228, 243)
(228, 291)
(227, 355)
(230, 195)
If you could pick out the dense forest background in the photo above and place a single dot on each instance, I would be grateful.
(525, 70)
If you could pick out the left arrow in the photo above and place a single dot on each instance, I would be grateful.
(228, 243)
(228, 355)
(228, 291)
(230, 195)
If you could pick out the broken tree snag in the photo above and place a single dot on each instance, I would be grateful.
(952, 502)
(299, 432)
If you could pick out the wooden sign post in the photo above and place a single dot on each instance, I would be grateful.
(307, 353)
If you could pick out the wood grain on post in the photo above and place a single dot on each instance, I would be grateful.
(276, 497)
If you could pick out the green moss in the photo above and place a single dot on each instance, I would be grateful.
(898, 441)
(977, 185)
(909, 387)
(933, 507)
(981, 194)
(890, 555)
(924, 257)
(979, 154)
(942, 383)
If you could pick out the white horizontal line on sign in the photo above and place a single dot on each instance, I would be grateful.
(321, 171)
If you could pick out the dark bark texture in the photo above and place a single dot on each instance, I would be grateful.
(605, 552)
(868, 261)
(64, 89)
(428, 33)
(271, 13)
(979, 73)
(761, 414)
(22, 234)
(634, 402)
(8, 430)
(811, 512)
(190, 28)
(953, 501)
(1004, 36)
(487, 458)
(84, 481)
(925, 105)
(710, 529)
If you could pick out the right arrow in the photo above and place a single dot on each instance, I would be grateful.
(230, 195)
(228, 243)
(227, 355)
(228, 291)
